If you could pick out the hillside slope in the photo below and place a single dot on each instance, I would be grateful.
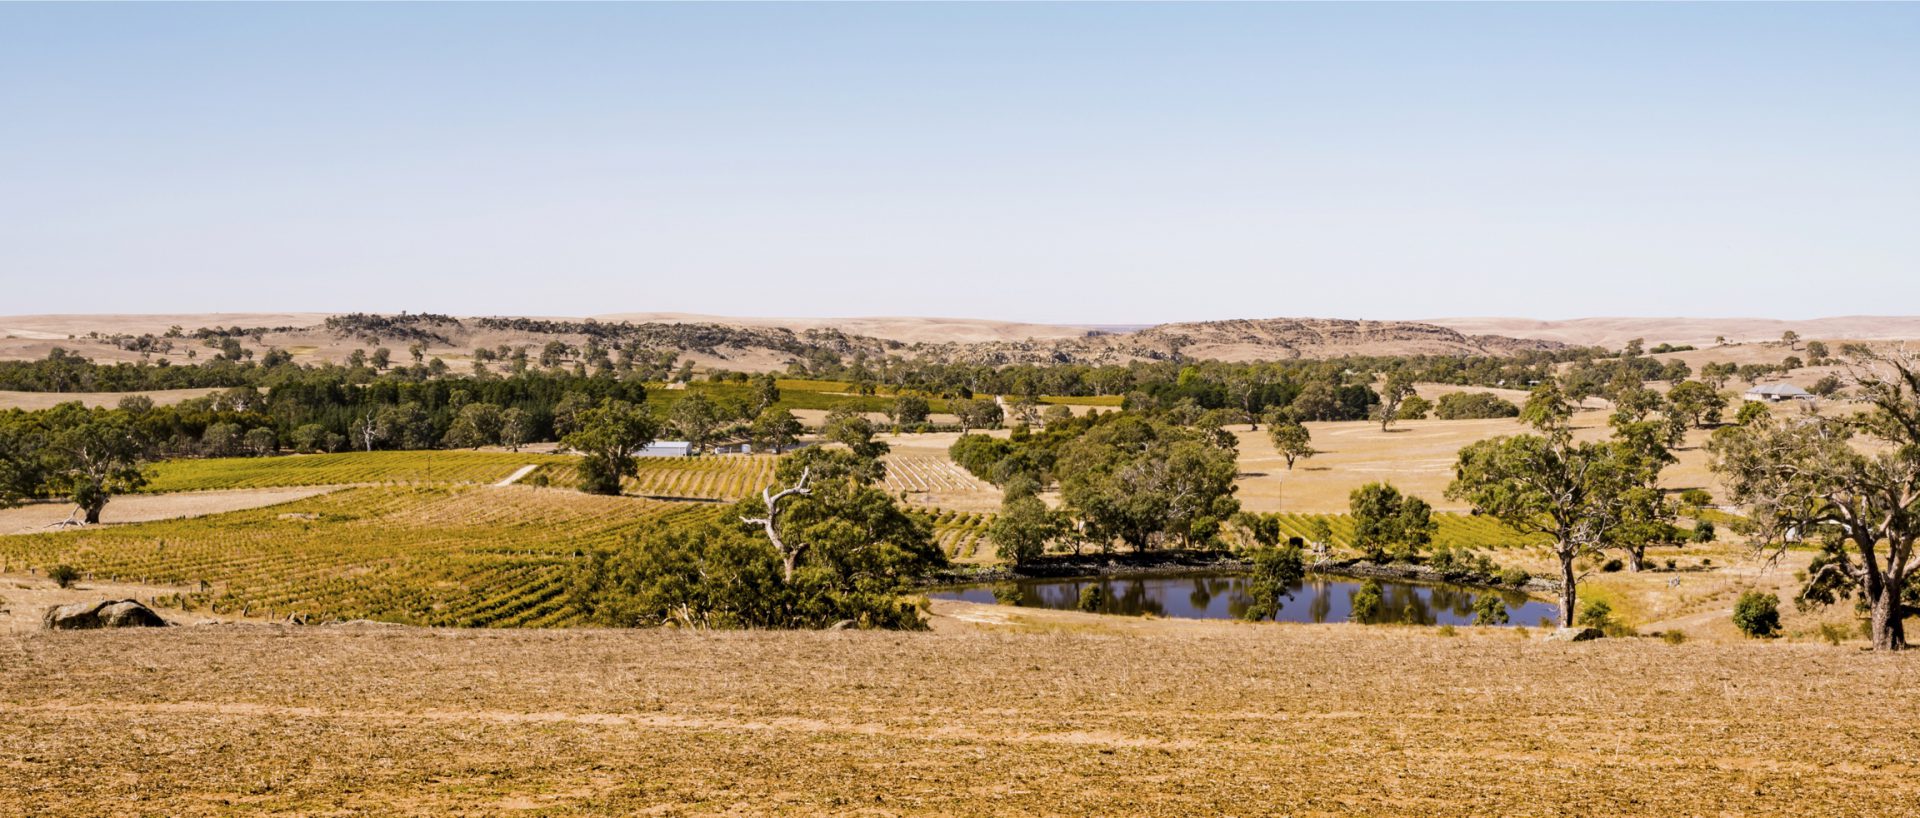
(749, 344)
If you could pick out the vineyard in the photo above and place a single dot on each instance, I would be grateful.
(935, 480)
(428, 555)
(347, 468)
(962, 535)
(717, 477)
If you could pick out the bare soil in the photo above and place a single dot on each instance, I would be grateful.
(1053, 715)
(138, 508)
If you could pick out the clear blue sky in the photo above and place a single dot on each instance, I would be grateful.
(1084, 162)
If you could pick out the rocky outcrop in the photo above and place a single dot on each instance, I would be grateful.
(106, 613)
(1575, 635)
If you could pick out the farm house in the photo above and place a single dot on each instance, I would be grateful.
(1777, 392)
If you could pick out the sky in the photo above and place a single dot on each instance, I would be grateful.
(1098, 163)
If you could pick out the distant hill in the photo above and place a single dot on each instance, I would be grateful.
(1264, 339)
(1616, 332)
(760, 344)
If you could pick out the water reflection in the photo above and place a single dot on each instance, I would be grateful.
(1223, 596)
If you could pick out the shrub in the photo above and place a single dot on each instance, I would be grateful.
(1489, 609)
(1595, 614)
(1515, 577)
(1673, 637)
(1698, 498)
(1093, 598)
(63, 575)
(1703, 531)
(1612, 566)
(1447, 630)
(1757, 614)
(1366, 601)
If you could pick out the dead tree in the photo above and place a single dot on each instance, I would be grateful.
(789, 554)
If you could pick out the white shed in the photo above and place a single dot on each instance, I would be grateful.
(1777, 392)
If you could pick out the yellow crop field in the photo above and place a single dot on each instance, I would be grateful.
(714, 477)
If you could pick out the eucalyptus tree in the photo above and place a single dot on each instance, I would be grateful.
(607, 436)
(1290, 439)
(1851, 485)
(1574, 493)
(696, 418)
(1393, 392)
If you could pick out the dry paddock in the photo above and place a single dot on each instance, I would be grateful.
(1218, 719)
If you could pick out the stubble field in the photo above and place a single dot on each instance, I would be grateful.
(1068, 716)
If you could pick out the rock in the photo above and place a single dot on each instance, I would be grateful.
(107, 613)
(1575, 635)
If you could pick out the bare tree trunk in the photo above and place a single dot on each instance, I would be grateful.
(1889, 632)
(1636, 559)
(93, 510)
(789, 555)
(1567, 592)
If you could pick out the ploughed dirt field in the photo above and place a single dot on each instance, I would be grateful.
(1053, 714)
(136, 508)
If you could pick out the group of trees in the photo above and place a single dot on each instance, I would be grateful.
(1123, 477)
(1585, 496)
(84, 455)
(823, 546)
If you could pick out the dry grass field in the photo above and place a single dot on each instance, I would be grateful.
(47, 400)
(1056, 715)
(1415, 455)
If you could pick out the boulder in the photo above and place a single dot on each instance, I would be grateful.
(106, 613)
(1575, 635)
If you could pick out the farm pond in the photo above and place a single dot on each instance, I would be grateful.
(1318, 598)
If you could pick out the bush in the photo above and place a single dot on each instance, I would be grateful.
(63, 575)
(1596, 614)
(1447, 630)
(1612, 566)
(1489, 609)
(1703, 531)
(1093, 598)
(1515, 577)
(1673, 637)
(1757, 614)
(1366, 601)
(1698, 498)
